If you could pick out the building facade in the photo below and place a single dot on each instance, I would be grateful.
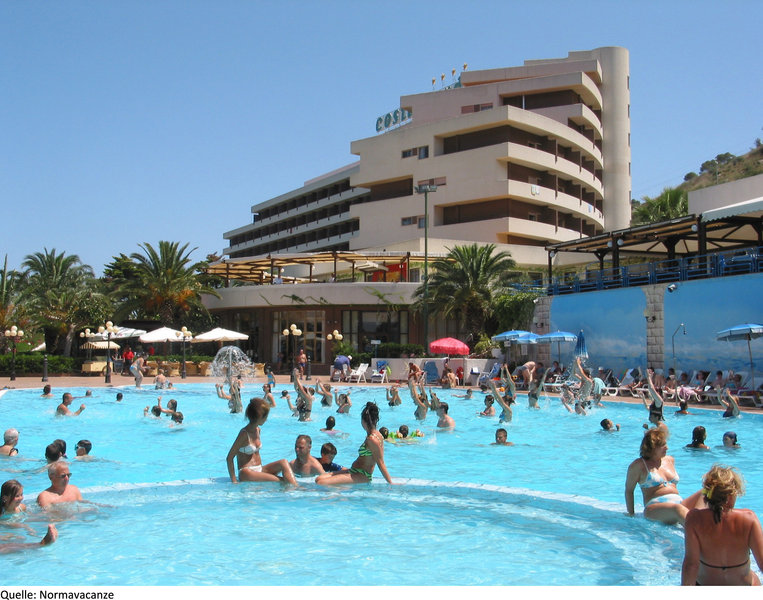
(520, 156)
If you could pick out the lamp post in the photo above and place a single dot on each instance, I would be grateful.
(426, 189)
(14, 334)
(291, 334)
(673, 341)
(336, 337)
(106, 330)
(184, 335)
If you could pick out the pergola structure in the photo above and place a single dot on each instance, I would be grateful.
(728, 228)
(267, 268)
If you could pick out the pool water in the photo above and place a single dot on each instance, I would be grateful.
(547, 511)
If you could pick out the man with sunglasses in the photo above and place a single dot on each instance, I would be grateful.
(60, 489)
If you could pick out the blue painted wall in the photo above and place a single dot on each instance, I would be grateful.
(615, 328)
(612, 322)
(706, 307)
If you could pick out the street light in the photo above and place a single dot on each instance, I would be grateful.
(184, 336)
(14, 334)
(292, 333)
(106, 330)
(334, 335)
(425, 189)
(673, 341)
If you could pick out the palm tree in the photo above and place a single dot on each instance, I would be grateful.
(11, 312)
(60, 295)
(164, 283)
(466, 283)
(671, 203)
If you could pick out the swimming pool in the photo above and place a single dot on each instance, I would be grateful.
(546, 511)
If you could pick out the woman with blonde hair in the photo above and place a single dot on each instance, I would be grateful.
(718, 538)
(655, 472)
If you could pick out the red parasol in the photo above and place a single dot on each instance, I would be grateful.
(448, 346)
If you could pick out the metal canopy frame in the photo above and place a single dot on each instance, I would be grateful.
(264, 269)
(690, 235)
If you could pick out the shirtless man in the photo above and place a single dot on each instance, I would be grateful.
(305, 465)
(414, 372)
(445, 421)
(63, 408)
(136, 368)
(60, 489)
(527, 371)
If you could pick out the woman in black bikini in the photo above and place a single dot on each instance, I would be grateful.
(370, 454)
(718, 539)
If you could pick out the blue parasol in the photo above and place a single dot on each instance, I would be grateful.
(558, 337)
(581, 350)
(507, 336)
(745, 331)
(525, 338)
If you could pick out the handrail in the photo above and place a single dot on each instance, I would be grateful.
(685, 268)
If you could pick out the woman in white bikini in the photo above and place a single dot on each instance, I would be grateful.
(655, 472)
(246, 450)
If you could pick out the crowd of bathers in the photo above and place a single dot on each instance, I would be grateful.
(654, 472)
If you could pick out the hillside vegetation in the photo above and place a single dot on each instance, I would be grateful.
(674, 201)
(724, 168)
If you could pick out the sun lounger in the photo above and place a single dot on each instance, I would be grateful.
(357, 374)
(381, 374)
(432, 374)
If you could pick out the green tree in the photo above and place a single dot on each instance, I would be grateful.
(670, 204)
(11, 311)
(514, 310)
(165, 284)
(61, 296)
(465, 284)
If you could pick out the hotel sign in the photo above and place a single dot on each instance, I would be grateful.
(391, 119)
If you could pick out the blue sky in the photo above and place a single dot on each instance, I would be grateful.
(130, 122)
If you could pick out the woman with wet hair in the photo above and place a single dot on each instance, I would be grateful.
(370, 454)
(11, 497)
(11, 502)
(719, 537)
(246, 450)
(489, 408)
(698, 437)
(655, 473)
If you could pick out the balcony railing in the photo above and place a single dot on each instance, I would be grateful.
(721, 264)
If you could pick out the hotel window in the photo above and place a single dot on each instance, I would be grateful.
(409, 220)
(438, 181)
(473, 108)
(421, 152)
(422, 222)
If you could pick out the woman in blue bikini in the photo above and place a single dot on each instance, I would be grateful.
(655, 472)
(370, 454)
(246, 450)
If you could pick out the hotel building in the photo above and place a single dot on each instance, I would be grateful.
(521, 157)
